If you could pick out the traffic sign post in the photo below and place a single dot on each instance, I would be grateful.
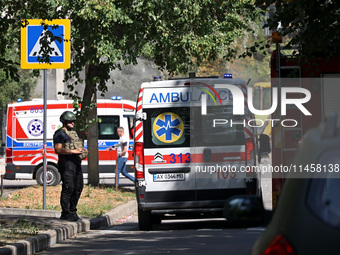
(36, 36)
(31, 44)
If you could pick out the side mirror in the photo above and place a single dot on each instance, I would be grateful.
(245, 210)
(264, 144)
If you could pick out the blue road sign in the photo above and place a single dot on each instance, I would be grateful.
(34, 34)
(31, 35)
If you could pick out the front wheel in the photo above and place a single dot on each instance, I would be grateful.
(52, 176)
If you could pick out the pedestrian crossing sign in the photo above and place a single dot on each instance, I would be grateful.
(58, 36)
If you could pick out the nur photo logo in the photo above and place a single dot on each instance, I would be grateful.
(239, 98)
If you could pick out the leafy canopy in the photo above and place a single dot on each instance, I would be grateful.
(110, 33)
(312, 25)
(106, 34)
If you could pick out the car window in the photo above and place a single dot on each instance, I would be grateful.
(108, 127)
(324, 194)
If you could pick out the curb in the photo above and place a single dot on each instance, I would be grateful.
(46, 239)
(30, 212)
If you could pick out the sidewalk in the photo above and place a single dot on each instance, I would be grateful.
(60, 229)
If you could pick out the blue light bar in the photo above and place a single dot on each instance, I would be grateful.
(116, 98)
(228, 75)
(157, 78)
(19, 100)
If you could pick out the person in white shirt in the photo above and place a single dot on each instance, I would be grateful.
(122, 154)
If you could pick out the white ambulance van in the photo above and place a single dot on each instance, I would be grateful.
(191, 152)
(24, 137)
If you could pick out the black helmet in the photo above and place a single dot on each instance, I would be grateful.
(67, 116)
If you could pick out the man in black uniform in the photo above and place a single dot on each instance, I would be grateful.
(69, 148)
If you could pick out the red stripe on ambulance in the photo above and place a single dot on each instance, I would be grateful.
(196, 158)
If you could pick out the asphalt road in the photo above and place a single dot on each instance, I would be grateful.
(208, 236)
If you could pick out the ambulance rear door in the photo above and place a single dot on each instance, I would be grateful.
(167, 155)
(218, 142)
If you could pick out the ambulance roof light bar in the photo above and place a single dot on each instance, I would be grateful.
(228, 76)
(116, 98)
(19, 100)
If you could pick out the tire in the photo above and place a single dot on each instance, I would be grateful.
(144, 220)
(156, 219)
(52, 174)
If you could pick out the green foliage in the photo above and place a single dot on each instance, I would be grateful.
(20, 229)
(180, 31)
(110, 189)
(107, 34)
(312, 25)
(89, 189)
(10, 22)
(12, 89)
(254, 67)
(17, 196)
(15, 83)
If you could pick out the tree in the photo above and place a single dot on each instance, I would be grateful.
(10, 21)
(254, 68)
(312, 25)
(11, 89)
(108, 34)
(171, 33)
(18, 85)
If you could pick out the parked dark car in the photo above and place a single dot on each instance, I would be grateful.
(306, 219)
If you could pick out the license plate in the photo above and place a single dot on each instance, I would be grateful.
(168, 177)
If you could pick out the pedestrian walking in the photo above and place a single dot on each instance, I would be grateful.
(122, 155)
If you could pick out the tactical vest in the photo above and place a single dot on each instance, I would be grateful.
(75, 142)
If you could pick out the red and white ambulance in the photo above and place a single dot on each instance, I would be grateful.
(191, 152)
(24, 137)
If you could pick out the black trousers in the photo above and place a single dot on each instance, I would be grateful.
(72, 178)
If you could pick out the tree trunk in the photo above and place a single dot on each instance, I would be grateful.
(90, 97)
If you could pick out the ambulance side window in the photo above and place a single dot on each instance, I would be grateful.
(108, 127)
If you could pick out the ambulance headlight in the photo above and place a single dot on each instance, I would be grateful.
(116, 98)
(228, 75)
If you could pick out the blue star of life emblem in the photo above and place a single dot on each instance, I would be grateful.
(168, 127)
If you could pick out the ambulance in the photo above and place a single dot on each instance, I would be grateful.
(191, 151)
(24, 137)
